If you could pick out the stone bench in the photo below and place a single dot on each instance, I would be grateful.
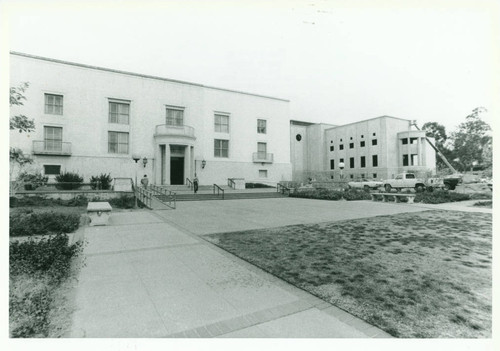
(99, 213)
(397, 196)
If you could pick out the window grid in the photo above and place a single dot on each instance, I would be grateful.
(53, 138)
(262, 150)
(174, 117)
(119, 112)
(221, 123)
(53, 104)
(118, 143)
(261, 126)
(221, 148)
(374, 142)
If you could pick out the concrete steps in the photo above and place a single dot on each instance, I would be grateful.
(227, 196)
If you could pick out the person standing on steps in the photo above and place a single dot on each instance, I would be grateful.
(195, 183)
(145, 181)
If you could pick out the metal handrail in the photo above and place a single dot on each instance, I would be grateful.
(144, 195)
(231, 183)
(171, 196)
(189, 183)
(219, 189)
(280, 188)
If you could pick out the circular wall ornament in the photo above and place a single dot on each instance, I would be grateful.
(298, 137)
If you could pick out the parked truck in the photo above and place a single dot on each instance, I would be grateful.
(410, 181)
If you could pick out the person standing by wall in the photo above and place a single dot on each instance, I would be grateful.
(195, 183)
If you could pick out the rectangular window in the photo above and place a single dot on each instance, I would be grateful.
(351, 162)
(374, 141)
(262, 173)
(221, 123)
(404, 141)
(351, 176)
(331, 148)
(362, 176)
(332, 164)
(221, 148)
(414, 159)
(341, 160)
(117, 143)
(351, 145)
(53, 104)
(175, 117)
(363, 161)
(119, 112)
(341, 147)
(261, 126)
(413, 140)
(405, 160)
(52, 138)
(375, 160)
(51, 169)
(362, 144)
(262, 150)
(374, 175)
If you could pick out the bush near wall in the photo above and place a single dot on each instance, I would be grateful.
(440, 196)
(25, 223)
(124, 201)
(101, 182)
(37, 268)
(319, 194)
(69, 181)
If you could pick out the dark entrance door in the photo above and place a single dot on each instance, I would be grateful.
(176, 170)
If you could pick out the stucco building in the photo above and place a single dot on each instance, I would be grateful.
(93, 120)
(376, 148)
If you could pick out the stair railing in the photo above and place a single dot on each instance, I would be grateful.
(280, 188)
(144, 195)
(170, 196)
(189, 183)
(219, 189)
(231, 183)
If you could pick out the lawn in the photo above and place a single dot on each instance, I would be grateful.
(414, 275)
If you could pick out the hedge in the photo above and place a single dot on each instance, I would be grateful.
(26, 223)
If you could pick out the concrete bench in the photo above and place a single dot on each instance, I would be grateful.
(397, 197)
(99, 213)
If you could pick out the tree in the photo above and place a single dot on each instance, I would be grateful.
(23, 124)
(471, 140)
(20, 122)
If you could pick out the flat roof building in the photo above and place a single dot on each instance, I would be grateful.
(93, 120)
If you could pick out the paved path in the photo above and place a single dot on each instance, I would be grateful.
(149, 274)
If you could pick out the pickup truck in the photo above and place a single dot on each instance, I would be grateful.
(409, 180)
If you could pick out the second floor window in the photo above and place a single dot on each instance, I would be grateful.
(53, 138)
(375, 160)
(221, 123)
(221, 148)
(53, 104)
(117, 143)
(119, 112)
(261, 126)
(175, 117)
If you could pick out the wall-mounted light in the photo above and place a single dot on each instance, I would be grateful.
(145, 161)
(203, 164)
(136, 158)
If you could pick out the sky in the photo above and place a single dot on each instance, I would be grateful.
(336, 61)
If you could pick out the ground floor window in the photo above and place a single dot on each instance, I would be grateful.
(51, 169)
(374, 175)
(262, 173)
(351, 162)
(221, 148)
(117, 143)
(375, 160)
(405, 160)
(332, 164)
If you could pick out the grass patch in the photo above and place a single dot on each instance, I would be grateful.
(415, 275)
(486, 204)
(333, 195)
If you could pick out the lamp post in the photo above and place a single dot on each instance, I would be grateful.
(341, 166)
(136, 158)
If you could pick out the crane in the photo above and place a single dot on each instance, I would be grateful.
(414, 122)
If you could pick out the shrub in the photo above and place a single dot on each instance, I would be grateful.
(257, 185)
(68, 181)
(480, 196)
(32, 180)
(484, 204)
(37, 267)
(101, 182)
(25, 224)
(123, 201)
(356, 194)
(440, 196)
(320, 194)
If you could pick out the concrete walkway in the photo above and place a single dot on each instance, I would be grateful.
(148, 276)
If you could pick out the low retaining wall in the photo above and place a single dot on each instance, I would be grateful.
(71, 194)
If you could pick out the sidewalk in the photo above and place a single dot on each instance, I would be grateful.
(146, 278)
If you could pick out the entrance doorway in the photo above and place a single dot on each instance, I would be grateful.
(176, 170)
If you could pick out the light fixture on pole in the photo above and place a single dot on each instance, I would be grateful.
(136, 158)
(341, 166)
(144, 161)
